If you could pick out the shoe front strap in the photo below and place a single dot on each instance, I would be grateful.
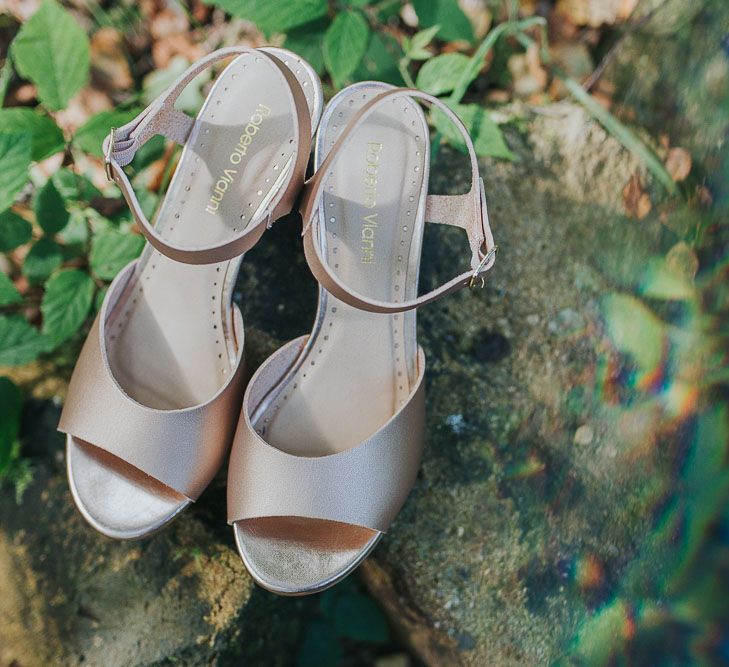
(467, 211)
(162, 118)
(363, 486)
(182, 448)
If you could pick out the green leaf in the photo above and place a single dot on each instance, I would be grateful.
(99, 299)
(74, 187)
(112, 251)
(20, 343)
(421, 39)
(358, 617)
(47, 137)
(274, 15)
(11, 405)
(14, 231)
(52, 50)
(8, 294)
(43, 259)
(439, 74)
(90, 136)
(66, 303)
(488, 140)
(157, 82)
(380, 62)
(50, 209)
(148, 153)
(454, 24)
(76, 232)
(635, 330)
(15, 158)
(319, 648)
(345, 44)
(603, 634)
(387, 10)
(661, 281)
(307, 42)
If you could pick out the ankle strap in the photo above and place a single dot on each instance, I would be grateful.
(161, 117)
(467, 211)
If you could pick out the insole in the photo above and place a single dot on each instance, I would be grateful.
(360, 366)
(171, 343)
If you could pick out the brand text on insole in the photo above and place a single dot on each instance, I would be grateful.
(369, 221)
(240, 150)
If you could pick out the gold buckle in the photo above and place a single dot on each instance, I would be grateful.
(107, 155)
(484, 262)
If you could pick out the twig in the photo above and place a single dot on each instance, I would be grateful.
(621, 132)
(6, 72)
(613, 51)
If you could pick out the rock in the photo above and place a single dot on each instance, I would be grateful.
(498, 593)
(513, 536)
(70, 596)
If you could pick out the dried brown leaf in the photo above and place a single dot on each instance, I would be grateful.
(636, 200)
(678, 164)
(109, 61)
(595, 13)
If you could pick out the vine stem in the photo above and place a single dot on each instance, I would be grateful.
(478, 59)
(402, 65)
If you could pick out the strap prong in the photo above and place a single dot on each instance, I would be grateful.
(107, 156)
(477, 273)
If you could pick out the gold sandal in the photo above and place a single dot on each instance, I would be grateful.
(155, 395)
(332, 429)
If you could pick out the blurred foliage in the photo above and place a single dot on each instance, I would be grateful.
(69, 71)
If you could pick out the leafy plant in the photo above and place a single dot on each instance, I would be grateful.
(343, 615)
(52, 51)
(12, 467)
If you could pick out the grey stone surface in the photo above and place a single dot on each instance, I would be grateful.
(69, 596)
(512, 494)
(509, 499)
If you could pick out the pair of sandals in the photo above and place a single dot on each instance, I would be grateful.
(329, 439)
